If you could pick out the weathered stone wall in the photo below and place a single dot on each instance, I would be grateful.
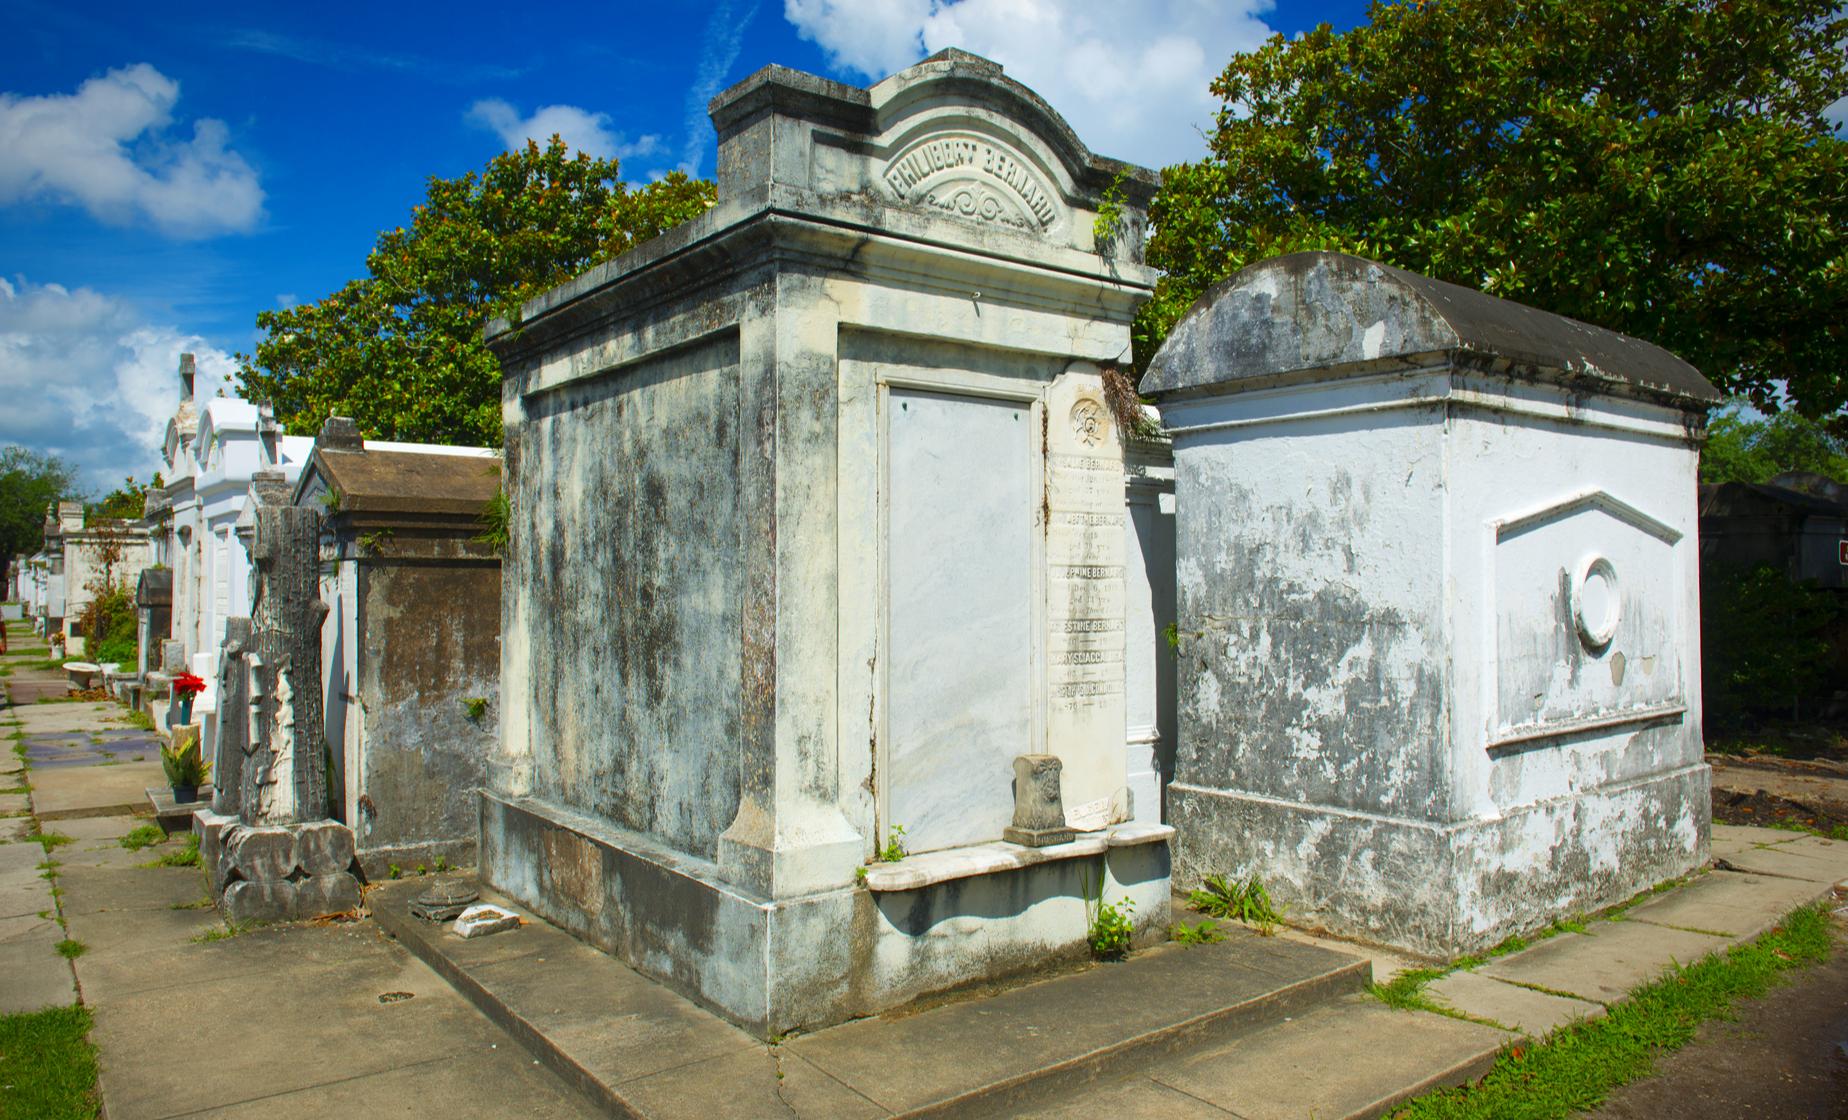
(628, 493)
(696, 758)
(430, 620)
(1311, 625)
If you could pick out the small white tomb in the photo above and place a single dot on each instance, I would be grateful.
(1438, 603)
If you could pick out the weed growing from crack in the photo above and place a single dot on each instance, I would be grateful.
(142, 836)
(186, 855)
(1247, 901)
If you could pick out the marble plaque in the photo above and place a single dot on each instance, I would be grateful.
(961, 492)
(1084, 558)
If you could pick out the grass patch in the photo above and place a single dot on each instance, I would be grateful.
(1576, 1067)
(142, 836)
(1203, 932)
(1246, 901)
(47, 1065)
(70, 950)
(195, 904)
(50, 839)
(135, 717)
(226, 932)
(1406, 990)
(186, 855)
(1839, 832)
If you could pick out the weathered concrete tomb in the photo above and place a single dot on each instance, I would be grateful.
(410, 652)
(1438, 603)
(819, 523)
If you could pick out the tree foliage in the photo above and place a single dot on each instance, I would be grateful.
(399, 349)
(1767, 644)
(1744, 448)
(126, 502)
(29, 484)
(1658, 167)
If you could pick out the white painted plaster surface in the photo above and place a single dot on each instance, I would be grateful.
(1390, 709)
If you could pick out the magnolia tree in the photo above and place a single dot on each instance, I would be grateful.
(399, 349)
(1659, 167)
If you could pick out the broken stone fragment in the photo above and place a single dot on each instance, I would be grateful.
(445, 899)
(326, 894)
(324, 847)
(1039, 807)
(485, 918)
(259, 852)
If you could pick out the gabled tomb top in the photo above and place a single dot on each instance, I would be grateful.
(1321, 311)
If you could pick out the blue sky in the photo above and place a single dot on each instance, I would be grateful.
(166, 171)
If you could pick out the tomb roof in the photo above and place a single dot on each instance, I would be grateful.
(1325, 311)
(154, 587)
(434, 480)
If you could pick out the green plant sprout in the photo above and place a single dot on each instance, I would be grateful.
(1248, 902)
(894, 849)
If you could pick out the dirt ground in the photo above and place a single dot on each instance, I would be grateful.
(1796, 775)
(1785, 1056)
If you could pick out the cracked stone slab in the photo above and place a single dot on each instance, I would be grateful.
(1605, 962)
(1734, 904)
(1535, 1014)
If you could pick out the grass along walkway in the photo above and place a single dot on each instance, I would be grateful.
(47, 1066)
(1578, 1065)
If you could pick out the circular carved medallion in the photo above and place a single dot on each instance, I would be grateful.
(1088, 422)
(1596, 604)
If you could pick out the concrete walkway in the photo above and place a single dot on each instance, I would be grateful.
(33, 975)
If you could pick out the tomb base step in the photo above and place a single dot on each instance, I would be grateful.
(638, 1049)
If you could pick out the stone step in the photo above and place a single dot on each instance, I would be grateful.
(1348, 1059)
(637, 1049)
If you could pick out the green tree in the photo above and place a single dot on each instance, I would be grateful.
(1658, 167)
(399, 349)
(29, 484)
(1744, 448)
(125, 503)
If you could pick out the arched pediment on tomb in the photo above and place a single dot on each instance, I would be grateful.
(977, 177)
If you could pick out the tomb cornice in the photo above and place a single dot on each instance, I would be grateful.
(786, 226)
(1441, 384)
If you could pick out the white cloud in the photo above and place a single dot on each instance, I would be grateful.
(723, 37)
(88, 379)
(581, 129)
(106, 148)
(1130, 76)
(870, 37)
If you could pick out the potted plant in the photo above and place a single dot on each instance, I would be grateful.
(186, 686)
(186, 767)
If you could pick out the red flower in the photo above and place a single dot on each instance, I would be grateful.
(188, 684)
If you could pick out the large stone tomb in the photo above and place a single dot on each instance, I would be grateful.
(818, 524)
(410, 652)
(1438, 603)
